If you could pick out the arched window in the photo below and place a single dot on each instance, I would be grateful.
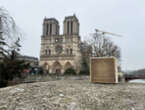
(68, 27)
(67, 51)
(49, 52)
(71, 51)
(71, 27)
(47, 28)
(50, 29)
(45, 52)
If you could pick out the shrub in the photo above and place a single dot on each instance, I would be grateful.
(11, 68)
(84, 72)
(84, 67)
(70, 71)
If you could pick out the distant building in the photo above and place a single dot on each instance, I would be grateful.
(33, 61)
(60, 52)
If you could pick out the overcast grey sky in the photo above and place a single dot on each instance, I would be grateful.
(125, 17)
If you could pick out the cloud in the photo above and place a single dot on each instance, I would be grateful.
(124, 17)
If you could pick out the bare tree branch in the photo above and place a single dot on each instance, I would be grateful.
(103, 46)
(11, 32)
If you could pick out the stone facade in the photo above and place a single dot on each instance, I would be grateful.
(60, 52)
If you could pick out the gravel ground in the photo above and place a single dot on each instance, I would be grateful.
(73, 95)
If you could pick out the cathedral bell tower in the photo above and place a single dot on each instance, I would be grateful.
(71, 26)
(50, 27)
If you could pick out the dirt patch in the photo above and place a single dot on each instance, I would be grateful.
(73, 95)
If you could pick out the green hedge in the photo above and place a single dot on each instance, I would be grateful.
(70, 71)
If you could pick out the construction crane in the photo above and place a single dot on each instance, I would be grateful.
(104, 32)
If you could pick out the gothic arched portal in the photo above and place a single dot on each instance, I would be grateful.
(68, 65)
(57, 68)
(46, 67)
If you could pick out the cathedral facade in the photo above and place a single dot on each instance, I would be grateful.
(60, 52)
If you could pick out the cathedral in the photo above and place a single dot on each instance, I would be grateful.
(60, 52)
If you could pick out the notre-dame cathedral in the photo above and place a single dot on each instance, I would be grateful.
(60, 52)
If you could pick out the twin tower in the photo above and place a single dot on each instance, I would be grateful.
(70, 26)
(60, 52)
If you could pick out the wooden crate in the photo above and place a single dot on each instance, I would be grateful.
(103, 70)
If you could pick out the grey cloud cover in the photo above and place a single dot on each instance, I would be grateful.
(125, 17)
